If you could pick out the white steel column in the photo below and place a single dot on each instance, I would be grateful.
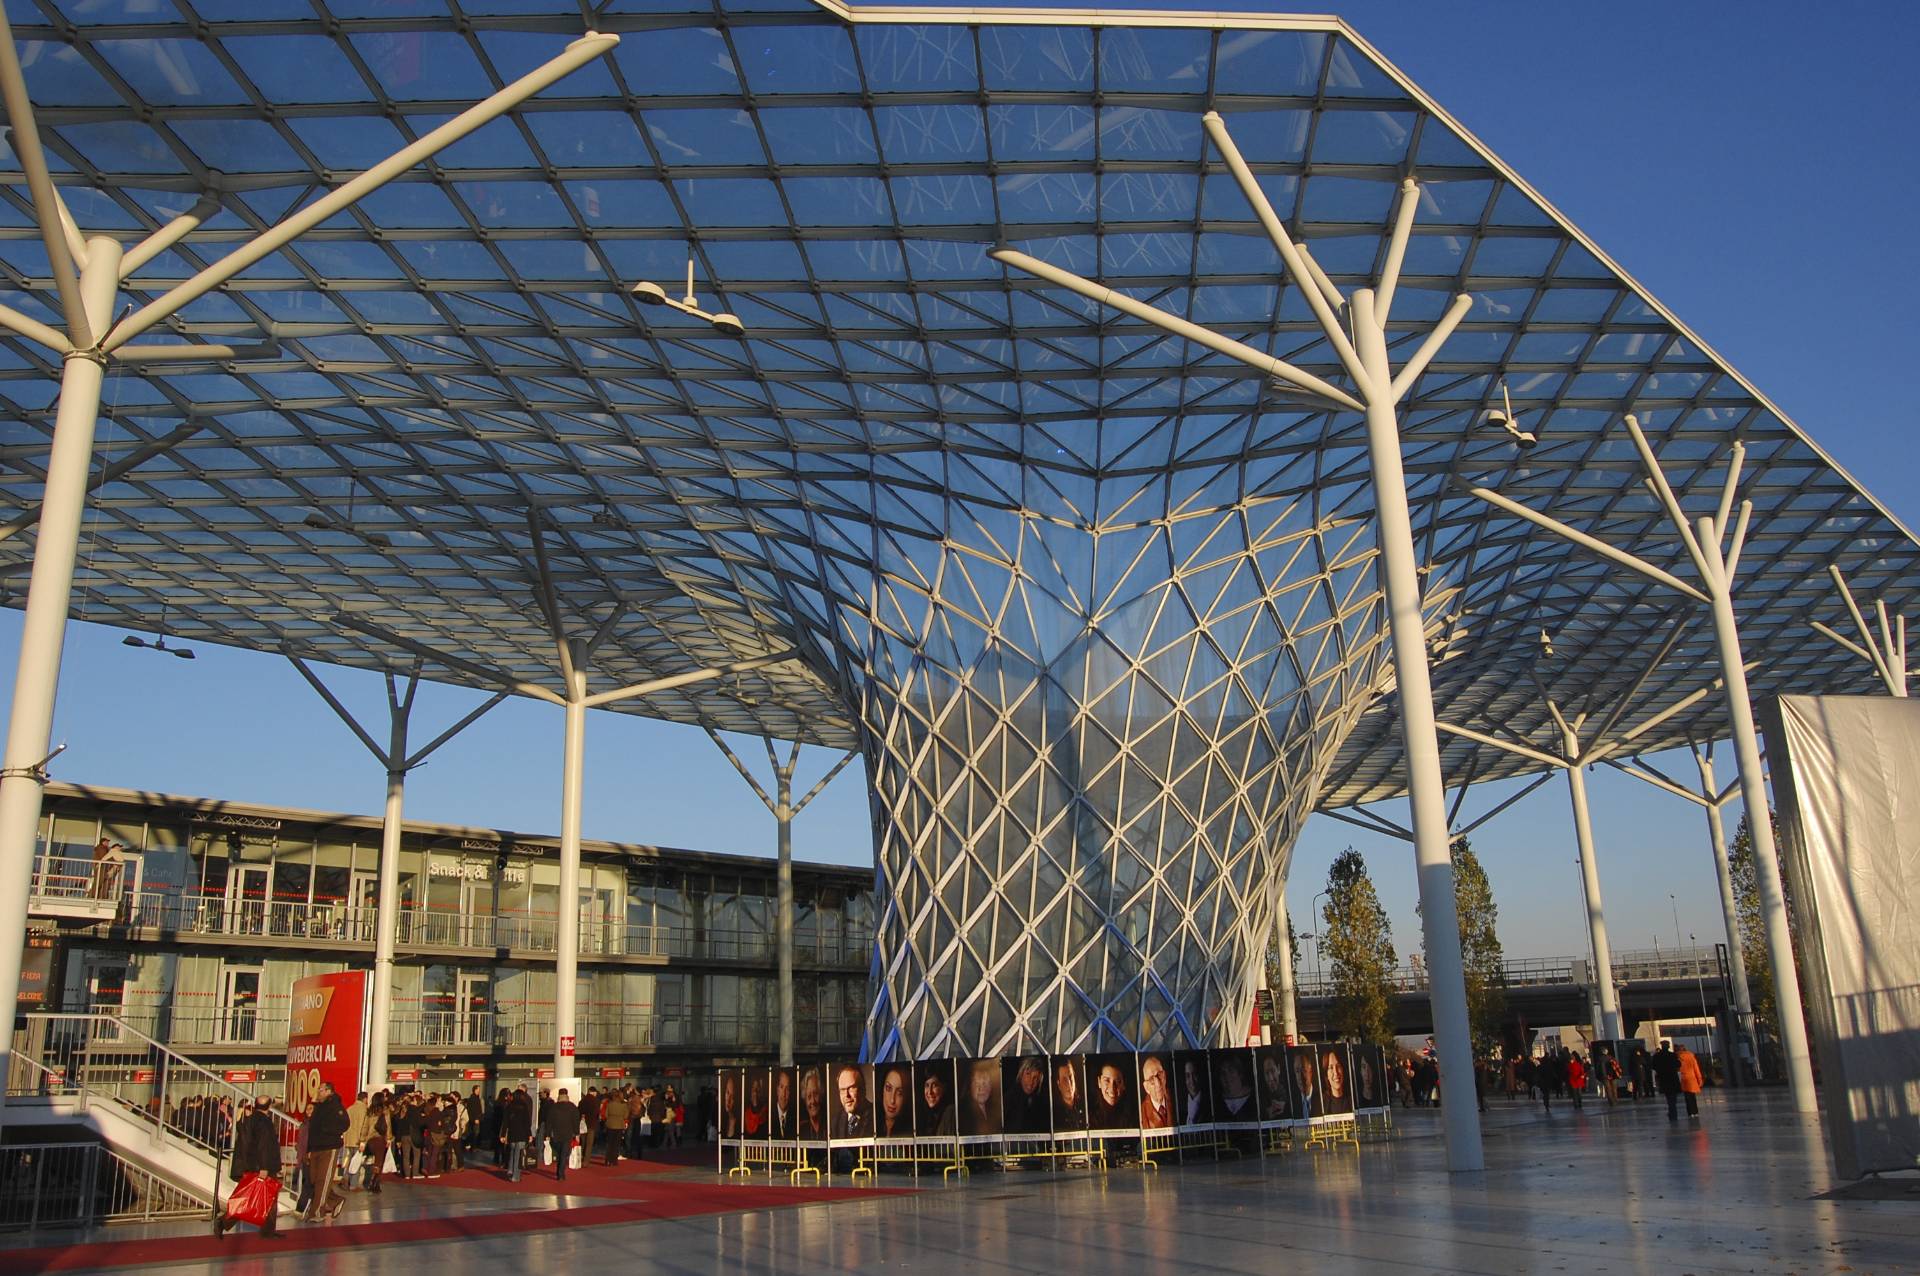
(783, 905)
(1608, 1020)
(1426, 788)
(1730, 914)
(1284, 993)
(44, 628)
(1766, 859)
(386, 908)
(566, 960)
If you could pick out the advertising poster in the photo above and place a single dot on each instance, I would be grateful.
(813, 1105)
(1026, 1099)
(850, 1103)
(1192, 1090)
(1275, 1096)
(933, 1102)
(1069, 1095)
(1304, 1075)
(1336, 1079)
(1233, 1102)
(979, 1100)
(783, 1106)
(753, 1124)
(325, 1026)
(1113, 1093)
(732, 1081)
(1156, 1092)
(893, 1104)
(1369, 1078)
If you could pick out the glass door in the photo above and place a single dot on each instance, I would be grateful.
(240, 1005)
(107, 995)
(473, 1005)
(474, 925)
(248, 891)
(363, 905)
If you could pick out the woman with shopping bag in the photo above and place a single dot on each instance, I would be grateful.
(256, 1168)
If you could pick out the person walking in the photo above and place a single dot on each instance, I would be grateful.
(1666, 1074)
(1576, 1079)
(326, 1130)
(591, 1106)
(561, 1122)
(518, 1123)
(1609, 1078)
(1690, 1079)
(379, 1134)
(256, 1150)
(353, 1141)
(657, 1113)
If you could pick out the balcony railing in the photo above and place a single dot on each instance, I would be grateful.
(1534, 972)
(304, 923)
(411, 1027)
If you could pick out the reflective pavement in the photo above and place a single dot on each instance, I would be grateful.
(1618, 1190)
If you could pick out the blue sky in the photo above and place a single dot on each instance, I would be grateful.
(1751, 166)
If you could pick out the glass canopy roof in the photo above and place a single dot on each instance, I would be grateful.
(462, 346)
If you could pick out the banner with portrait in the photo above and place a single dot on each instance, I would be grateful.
(1335, 1068)
(1026, 1098)
(977, 1105)
(1068, 1075)
(849, 1103)
(1192, 1090)
(933, 1109)
(753, 1118)
(1370, 1079)
(1113, 1093)
(1156, 1093)
(812, 1121)
(732, 1103)
(893, 1102)
(1271, 1089)
(1234, 1102)
(783, 1106)
(1303, 1079)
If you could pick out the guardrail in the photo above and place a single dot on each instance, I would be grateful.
(84, 1184)
(319, 922)
(99, 1057)
(1534, 972)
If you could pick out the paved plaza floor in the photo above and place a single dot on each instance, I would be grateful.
(1748, 1189)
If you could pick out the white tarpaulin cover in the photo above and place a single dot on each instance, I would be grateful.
(1846, 774)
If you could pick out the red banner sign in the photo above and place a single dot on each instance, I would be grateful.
(566, 1046)
(241, 1076)
(473, 1074)
(403, 1074)
(543, 1074)
(324, 1037)
(613, 1073)
(143, 1076)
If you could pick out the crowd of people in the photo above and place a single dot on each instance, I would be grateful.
(1672, 1071)
(344, 1147)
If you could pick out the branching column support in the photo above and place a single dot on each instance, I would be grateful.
(397, 762)
(1713, 544)
(87, 272)
(783, 808)
(1886, 651)
(1377, 393)
(1285, 993)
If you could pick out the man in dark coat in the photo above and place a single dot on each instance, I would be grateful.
(326, 1129)
(518, 1119)
(561, 1122)
(256, 1149)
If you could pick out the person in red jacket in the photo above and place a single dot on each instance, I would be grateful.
(1691, 1080)
(1576, 1078)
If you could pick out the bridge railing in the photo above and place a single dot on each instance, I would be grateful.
(1535, 972)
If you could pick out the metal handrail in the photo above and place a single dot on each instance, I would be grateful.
(1531, 972)
(82, 1184)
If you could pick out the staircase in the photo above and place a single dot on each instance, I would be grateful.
(95, 1076)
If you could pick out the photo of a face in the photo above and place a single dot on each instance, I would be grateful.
(1367, 1070)
(1192, 1090)
(755, 1123)
(1156, 1092)
(851, 1119)
(730, 1104)
(1270, 1069)
(1069, 1072)
(1025, 1102)
(1233, 1100)
(813, 1105)
(1306, 1082)
(980, 1099)
(894, 1120)
(1113, 1092)
(1336, 1096)
(783, 1116)
(933, 1099)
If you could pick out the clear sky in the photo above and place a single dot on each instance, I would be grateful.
(1752, 166)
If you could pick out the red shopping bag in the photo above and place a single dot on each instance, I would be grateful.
(255, 1200)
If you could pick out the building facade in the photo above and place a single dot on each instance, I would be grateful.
(193, 925)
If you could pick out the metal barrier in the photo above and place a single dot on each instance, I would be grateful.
(84, 1184)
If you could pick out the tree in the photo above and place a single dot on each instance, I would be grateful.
(1482, 960)
(1358, 942)
(1745, 870)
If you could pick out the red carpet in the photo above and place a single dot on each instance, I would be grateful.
(668, 1200)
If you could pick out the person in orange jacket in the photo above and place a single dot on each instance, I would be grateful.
(1691, 1080)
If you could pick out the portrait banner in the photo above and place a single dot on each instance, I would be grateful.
(850, 1103)
(1156, 1092)
(1274, 1094)
(732, 1101)
(933, 1109)
(813, 1087)
(1233, 1097)
(1026, 1097)
(893, 1104)
(979, 1101)
(1192, 1090)
(1069, 1089)
(1303, 1076)
(783, 1105)
(1336, 1079)
(1370, 1079)
(753, 1119)
(1113, 1093)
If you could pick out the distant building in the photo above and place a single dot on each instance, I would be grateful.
(195, 931)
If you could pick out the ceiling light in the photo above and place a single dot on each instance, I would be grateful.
(652, 294)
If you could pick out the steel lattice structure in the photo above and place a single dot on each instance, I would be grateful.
(1099, 607)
